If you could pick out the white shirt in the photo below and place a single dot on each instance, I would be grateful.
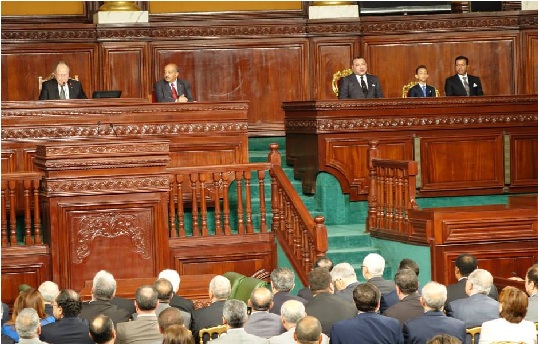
(66, 90)
(359, 77)
(462, 76)
(502, 330)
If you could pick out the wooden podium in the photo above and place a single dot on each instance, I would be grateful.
(105, 207)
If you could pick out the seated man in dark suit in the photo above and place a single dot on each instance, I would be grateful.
(367, 326)
(177, 300)
(409, 305)
(359, 85)
(172, 88)
(463, 84)
(434, 321)
(344, 280)
(61, 87)
(373, 266)
(282, 281)
(102, 330)
(321, 262)
(421, 89)
(392, 298)
(49, 290)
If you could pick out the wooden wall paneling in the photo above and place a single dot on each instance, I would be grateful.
(394, 58)
(329, 55)
(529, 68)
(124, 66)
(9, 160)
(523, 160)
(263, 72)
(22, 64)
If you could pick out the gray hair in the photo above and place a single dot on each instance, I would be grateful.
(27, 323)
(481, 280)
(375, 264)
(434, 295)
(104, 285)
(146, 298)
(172, 276)
(343, 271)
(220, 287)
(293, 311)
(235, 313)
(283, 279)
(49, 290)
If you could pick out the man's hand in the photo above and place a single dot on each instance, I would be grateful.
(182, 99)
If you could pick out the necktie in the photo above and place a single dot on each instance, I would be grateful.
(174, 91)
(363, 85)
(424, 90)
(62, 93)
(466, 85)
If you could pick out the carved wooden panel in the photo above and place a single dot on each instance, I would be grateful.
(530, 65)
(437, 52)
(215, 151)
(523, 160)
(9, 160)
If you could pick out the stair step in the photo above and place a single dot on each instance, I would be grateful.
(348, 236)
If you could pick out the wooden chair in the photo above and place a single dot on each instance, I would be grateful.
(406, 88)
(51, 76)
(336, 79)
(211, 333)
(473, 332)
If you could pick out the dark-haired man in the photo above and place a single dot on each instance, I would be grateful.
(464, 265)
(321, 262)
(463, 84)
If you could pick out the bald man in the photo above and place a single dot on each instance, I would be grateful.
(172, 88)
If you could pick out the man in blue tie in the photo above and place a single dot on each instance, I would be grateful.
(421, 89)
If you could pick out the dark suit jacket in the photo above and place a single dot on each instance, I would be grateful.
(350, 88)
(281, 297)
(421, 329)
(454, 86)
(390, 299)
(264, 324)
(416, 91)
(305, 293)
(93, 308)
(145, 329)
(209, 316)
(347, 292)
(367, 328)
(126, 304)
(407, 308)
(66, 331)
(456, 291)
(329, 309)
(49, 90)
(163, 92)
(384, 286)
(474, 310)
(182, 303)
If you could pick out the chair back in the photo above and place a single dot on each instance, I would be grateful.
(211, 333)
(40, 80)
(245, 288)
(473, 332)
(406, 88)
(336, 79)
(235, 279)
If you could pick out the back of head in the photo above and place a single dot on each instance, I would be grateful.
(164, 289)
(146, 298)
(308, 330)
(481, 280)
(532, 276)
(261, 299)
(319, 279)
(235, 313)
(220, 287)
(444, 339)
(49, 290)
(407, 263)
(283, 279)
(375, 264)
(407, 281)
(70, 303)
(104, 286)
(31, 298)
(170, 316)
(466, 263)
(177, 334)
(101, 329)
(27, 323)
(172, 276)
(292, 311)
(514, 304)
(366, 297)
(434, 296)
(343, 271)
(324, 262)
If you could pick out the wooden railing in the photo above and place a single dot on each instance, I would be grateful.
(392, 192)
(14, 199)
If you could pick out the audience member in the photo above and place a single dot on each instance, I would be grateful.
(359, 85)
(102, 330)
(177, 301)
(177, 334)
(62, 86)
(5, 313)
(325, 306)
(531, 286)
(69, 328)
(392, 298)
(210, 316)
(164, 294)
(261, 323)
(28, 326)
(433, 322)
(104, 290)
(235, 316)
(282, 282)
(30, 298)
(170, 316)
(444, 339)
(511, 326)
(291, 312)
(463, 84)
(368, 325)
(407, 289)
(373, 266)
(321, 262)
(145, 328)
(49, 290)
(421, 89)
(344, 280)
(172, 88)
(308, 331)
(464, 265)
